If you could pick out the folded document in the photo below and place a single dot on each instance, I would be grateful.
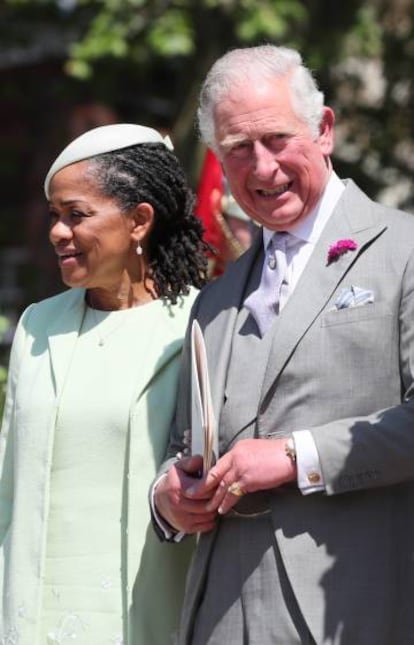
(203, 424)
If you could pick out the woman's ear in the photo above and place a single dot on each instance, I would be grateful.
(143, 220)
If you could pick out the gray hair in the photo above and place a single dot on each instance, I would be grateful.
(252, 64)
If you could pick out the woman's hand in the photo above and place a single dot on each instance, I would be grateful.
(173, 504)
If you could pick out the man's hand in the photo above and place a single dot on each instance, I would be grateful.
(254, 464)
(173, 504)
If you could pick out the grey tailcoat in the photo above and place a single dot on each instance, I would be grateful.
(347, 375)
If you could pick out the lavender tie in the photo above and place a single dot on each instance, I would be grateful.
(263, 303)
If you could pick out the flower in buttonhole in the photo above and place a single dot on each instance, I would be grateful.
(339, 248)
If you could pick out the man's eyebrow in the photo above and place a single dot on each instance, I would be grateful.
(233, 139)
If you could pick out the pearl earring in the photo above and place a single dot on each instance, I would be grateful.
(139, 249)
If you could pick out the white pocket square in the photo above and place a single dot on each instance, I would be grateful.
(354, 297)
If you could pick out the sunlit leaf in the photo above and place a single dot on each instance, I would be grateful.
(172, 34)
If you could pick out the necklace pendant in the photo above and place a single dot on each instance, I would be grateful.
(271, 263)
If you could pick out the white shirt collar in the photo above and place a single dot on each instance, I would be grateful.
(309, 229)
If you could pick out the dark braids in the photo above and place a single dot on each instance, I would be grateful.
(151, 173)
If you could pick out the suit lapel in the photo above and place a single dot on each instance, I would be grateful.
(352, 218)
(218, 325)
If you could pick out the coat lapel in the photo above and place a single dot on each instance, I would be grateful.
(163, 337)
(352, 219)
(218, 324)
(62, 334)
(161, 332)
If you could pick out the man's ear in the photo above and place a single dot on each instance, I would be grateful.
(142, 216)
(326, 131)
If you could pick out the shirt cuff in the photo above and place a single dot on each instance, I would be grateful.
(169, 534)
(310, 477)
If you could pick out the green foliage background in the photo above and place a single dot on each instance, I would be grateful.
(146, 59)
(161, 49)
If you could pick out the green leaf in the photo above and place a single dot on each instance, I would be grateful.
(171, 35)
(268, 18)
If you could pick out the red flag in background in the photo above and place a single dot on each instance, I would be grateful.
(209, 195)
(227, 228)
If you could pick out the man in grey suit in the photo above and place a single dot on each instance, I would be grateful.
(306, 519)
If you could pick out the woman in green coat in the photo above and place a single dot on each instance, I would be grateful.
(91, 392)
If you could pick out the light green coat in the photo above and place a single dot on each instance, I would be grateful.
(152, 573)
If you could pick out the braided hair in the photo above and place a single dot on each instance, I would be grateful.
(151, 173)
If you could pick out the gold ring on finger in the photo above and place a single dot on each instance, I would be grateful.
(235, 489)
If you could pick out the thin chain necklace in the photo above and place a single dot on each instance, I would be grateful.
(102, 338)
(99, 321)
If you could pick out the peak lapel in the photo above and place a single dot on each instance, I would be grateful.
(217, 317)
(351, 220)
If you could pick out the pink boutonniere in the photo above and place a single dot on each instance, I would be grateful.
(339, 248)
